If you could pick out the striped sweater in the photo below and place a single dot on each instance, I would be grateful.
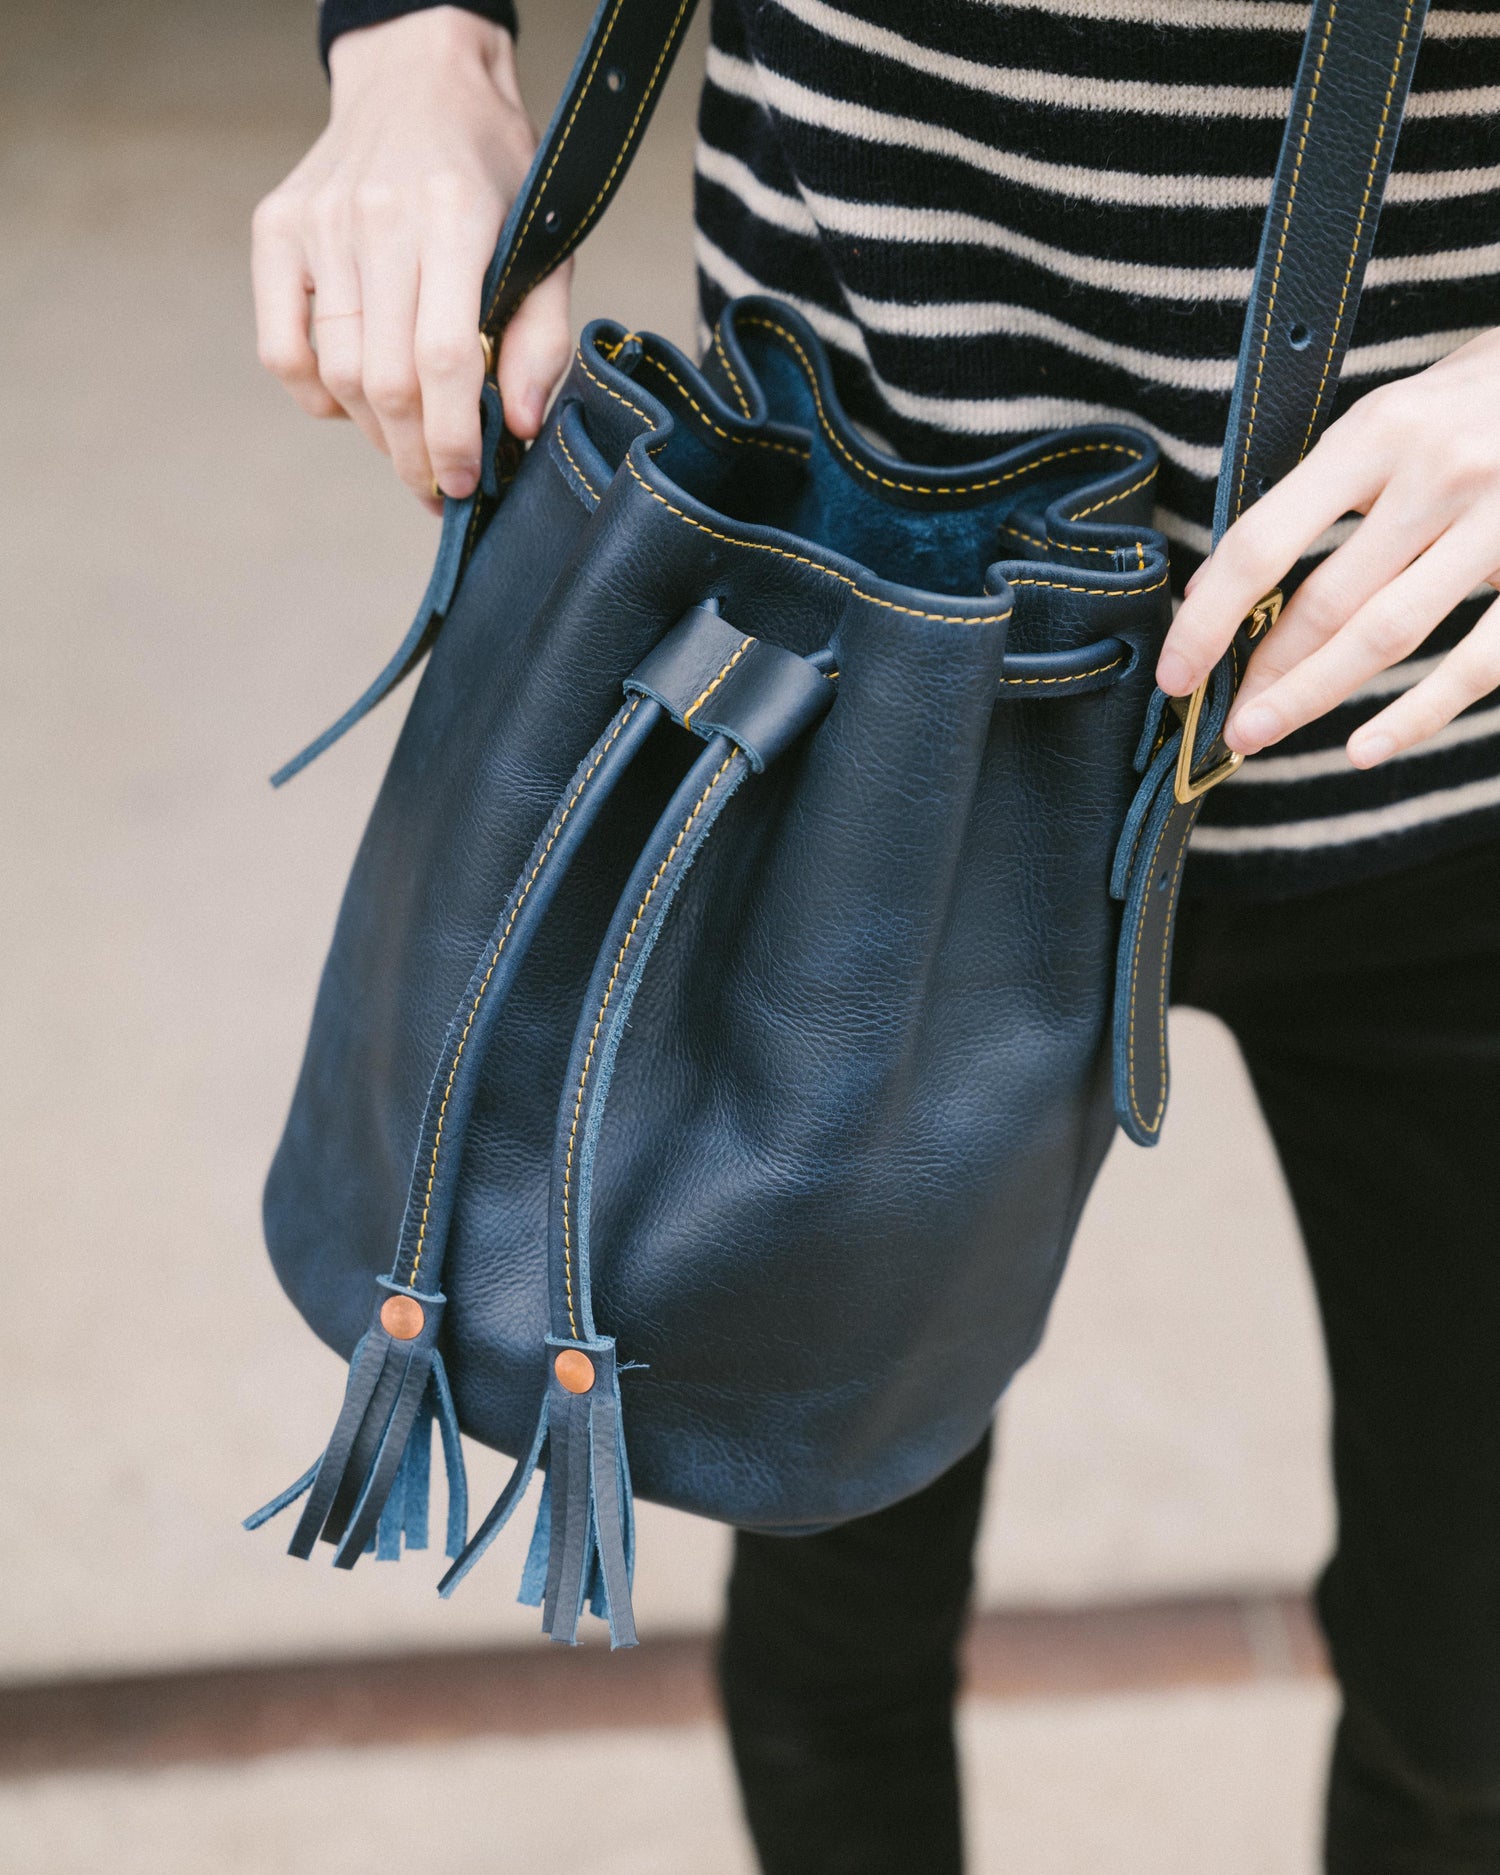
(1006, 216)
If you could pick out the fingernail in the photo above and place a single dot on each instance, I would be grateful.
(1173, 673)
(1250, 728)
(459, 484)
(1366, 750)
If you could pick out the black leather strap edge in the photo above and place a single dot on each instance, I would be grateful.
(1352, 83)
(597, 125)
(1355, 72)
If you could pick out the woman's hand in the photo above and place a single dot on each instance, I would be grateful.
(369, 258)
(1420, 460)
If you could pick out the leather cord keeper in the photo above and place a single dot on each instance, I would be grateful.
(717, 681)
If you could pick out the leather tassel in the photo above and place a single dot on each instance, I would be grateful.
(403, 1520)
(589, 1514)
(583, 1547)
(369, 1491)
(503, 1508)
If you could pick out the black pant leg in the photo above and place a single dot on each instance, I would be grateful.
(839, 1669)
(1370, 1022)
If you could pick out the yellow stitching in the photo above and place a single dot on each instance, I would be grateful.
(945, 618)
(764, 442)
(1109, 499)
(920, 488)
(556, 159)
(1385, 118)
(655, 429)
(744, 401)
(557, 432)
(594, 378)
(1074, 677)
(698, 702)
(802, 559)
(1291, 203)
(1035, 540)
(1135, 963)
(1101, 592)
(437, 1138)
(588, 1060)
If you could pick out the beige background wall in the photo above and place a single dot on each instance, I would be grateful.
(194, 579)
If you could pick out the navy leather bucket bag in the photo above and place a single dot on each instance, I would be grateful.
(767, 913)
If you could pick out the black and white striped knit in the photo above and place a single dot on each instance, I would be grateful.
(1005, 218)
(1008, 216)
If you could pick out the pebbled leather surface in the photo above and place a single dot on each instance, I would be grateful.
(863, 1089)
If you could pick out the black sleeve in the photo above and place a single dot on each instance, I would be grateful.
(342, 16)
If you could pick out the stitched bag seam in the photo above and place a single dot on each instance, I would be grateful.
(1154, 1123)
(729, 436)
(558, 435)
(890, 605)
(1119, 495)
(588, 1060)
(479, 995)
(947, 618)
(744, 401)
(1073, 677)
(1359, 229)
(698, 702)
(1049, 546)
(921, 488)
(1286, 222)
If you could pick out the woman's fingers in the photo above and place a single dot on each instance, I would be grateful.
(389, 282)
(388, 223)
(449, 358)
(281, 285)
(534, 353)
(1470, 671)
(1260, 549)
(1384, 544)
(338, 321)
(1420, 458)
(1381, 633)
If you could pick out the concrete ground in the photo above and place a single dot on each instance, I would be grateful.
(196, 578)
(1175, 1784)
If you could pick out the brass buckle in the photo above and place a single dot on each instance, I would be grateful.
(1263, 615)
(487, 346)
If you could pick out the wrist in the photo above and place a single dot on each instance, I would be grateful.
(361, 37)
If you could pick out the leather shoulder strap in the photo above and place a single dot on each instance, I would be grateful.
(605, 106)
(1340, 137)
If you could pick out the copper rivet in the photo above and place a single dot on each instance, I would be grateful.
(575, 1371)
(402, 1317)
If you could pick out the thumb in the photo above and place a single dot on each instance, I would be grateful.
(534, 352)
